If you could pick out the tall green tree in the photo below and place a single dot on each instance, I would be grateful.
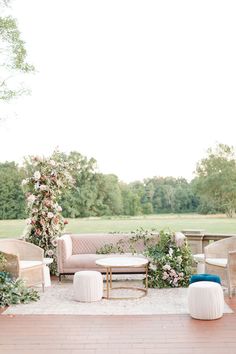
(12, 200)
(13, 57)
(81, 199)
(131, 197)
(109, 197)
(217, 177)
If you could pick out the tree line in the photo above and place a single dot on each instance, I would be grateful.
(96, 194)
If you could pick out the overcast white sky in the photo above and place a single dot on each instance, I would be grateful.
(144, 87)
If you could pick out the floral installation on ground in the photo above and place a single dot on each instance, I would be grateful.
(170, 257)
(47, 179)
(170, 261)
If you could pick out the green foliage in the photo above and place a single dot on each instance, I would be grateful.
(13, 291)
(140, 239)
(12, 58)
(12, 201)
(170, 258)
(80, 200)
(170, 263)
(216, 180)
(3, 261)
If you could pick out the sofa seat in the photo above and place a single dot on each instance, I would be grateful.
(219, 262)
(88, 261)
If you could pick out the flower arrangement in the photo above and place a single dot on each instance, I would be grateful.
(48, 178)
(170, 261)
(169, 255)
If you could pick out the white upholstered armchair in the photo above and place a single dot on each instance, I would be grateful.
(24, 260)
(220, 259)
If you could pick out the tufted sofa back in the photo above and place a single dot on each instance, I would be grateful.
(91, 243)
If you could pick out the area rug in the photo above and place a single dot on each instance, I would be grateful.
(59, 300)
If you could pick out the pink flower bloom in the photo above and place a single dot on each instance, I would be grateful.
(43, 187)
(31, 198)
(166, 267)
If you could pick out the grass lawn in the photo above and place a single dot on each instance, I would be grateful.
(210, 223)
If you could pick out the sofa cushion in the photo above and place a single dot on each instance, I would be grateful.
(220, 262)
(87, 261)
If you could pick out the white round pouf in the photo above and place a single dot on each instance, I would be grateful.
(205, 300)
(88, 286)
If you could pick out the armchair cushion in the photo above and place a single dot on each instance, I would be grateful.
(29, 264)
(220, 262)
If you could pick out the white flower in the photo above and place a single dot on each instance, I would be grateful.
(171, 251)
(179, 239)
(37, 175)
(59, 208)
(36, 186)
(50, 215)
(28, 221)
(24, 182)
(31, 198)
(153, 267)
(50, 253)
(179, 259)
(166, 267)
(52, 162)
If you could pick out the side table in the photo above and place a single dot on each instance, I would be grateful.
(46, 271)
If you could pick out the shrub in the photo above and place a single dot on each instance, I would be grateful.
(168, 253)
(14, 291)
(170, 262)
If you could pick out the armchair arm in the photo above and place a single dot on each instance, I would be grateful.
(12, 264)
(232, 260)
(64, 250)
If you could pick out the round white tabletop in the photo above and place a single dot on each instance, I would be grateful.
(114, 262)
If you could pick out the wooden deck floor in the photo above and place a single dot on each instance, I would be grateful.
(167, 334)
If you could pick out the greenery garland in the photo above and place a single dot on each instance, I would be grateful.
(170, 258)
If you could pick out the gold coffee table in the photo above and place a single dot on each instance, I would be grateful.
(123, 262)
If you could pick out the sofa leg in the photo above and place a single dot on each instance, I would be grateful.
(60, 277)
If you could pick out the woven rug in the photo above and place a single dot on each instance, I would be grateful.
(59, 300)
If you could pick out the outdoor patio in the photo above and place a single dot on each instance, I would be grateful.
(128, 334)
(57, 334)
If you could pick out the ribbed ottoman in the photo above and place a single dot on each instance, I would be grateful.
(88, 286)
(205, 300)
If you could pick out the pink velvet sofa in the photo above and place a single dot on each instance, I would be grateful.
(78, 252)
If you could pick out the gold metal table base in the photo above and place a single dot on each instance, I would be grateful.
(127, 298)
(109, 287)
